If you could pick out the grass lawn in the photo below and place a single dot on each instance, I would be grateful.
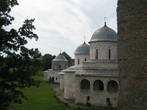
(42, 98)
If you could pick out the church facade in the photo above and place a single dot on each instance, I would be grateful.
(93, 80)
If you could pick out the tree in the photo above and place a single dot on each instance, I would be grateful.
(47, 61)
(17, 63)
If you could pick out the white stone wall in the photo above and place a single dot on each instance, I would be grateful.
(62, 81)
(69, 85)
(81, 58)
(52, 74)
(100, 65)
(57, 78)
(97, 98)
(103, 50)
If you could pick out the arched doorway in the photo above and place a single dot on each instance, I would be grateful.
(98, 85)
(85, 84)
(112, 86)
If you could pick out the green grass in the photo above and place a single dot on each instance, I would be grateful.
(42, 98)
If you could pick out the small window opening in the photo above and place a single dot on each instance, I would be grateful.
(87, 101)
(78, 61)
(59, 67)
(109, 54)
(108, 102)
(96, 56)
(85, 59)
(88, 98)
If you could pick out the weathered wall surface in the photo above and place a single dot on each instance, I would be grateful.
(103, 50)
(62, 81)
(69, 85)
(81, 58)
(103, 64)
(52, 74)
(132, 54)
(97, 98)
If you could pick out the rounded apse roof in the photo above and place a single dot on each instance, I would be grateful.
(83, 49)
(104, 34)
(60, 57)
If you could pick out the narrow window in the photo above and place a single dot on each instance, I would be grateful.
(109, 54)
(107, 100)
(96, 56)
(85, 59)
(78, 61)
(59, 67)
(88, 98)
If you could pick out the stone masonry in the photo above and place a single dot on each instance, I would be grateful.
(132, 54)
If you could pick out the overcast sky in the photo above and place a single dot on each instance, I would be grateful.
(62, 24)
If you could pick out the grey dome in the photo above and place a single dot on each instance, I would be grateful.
(104, 34)
(60, 57)
(82, 49)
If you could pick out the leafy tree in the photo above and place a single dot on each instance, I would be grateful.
(47, 61)
(17, 63)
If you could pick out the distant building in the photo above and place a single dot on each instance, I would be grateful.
(58, 64)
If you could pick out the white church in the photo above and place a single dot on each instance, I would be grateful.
(93, 80)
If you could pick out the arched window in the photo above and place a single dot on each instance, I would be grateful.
(109, 54)
(78, 61)
(96, 54)
(85, 84)
(98, 85)
(112, 86)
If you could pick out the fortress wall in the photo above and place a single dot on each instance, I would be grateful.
(132, 54)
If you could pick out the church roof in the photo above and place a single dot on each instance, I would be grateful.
(104, 34)
(82, 49)
(73, 68)
(60, 57)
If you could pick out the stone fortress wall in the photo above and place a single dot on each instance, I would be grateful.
(132, 54)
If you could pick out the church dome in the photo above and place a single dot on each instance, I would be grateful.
(104, 34)
(60, 57)
(82, 49)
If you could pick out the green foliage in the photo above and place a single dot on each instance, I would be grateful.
(17, 63)
(46, 61)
